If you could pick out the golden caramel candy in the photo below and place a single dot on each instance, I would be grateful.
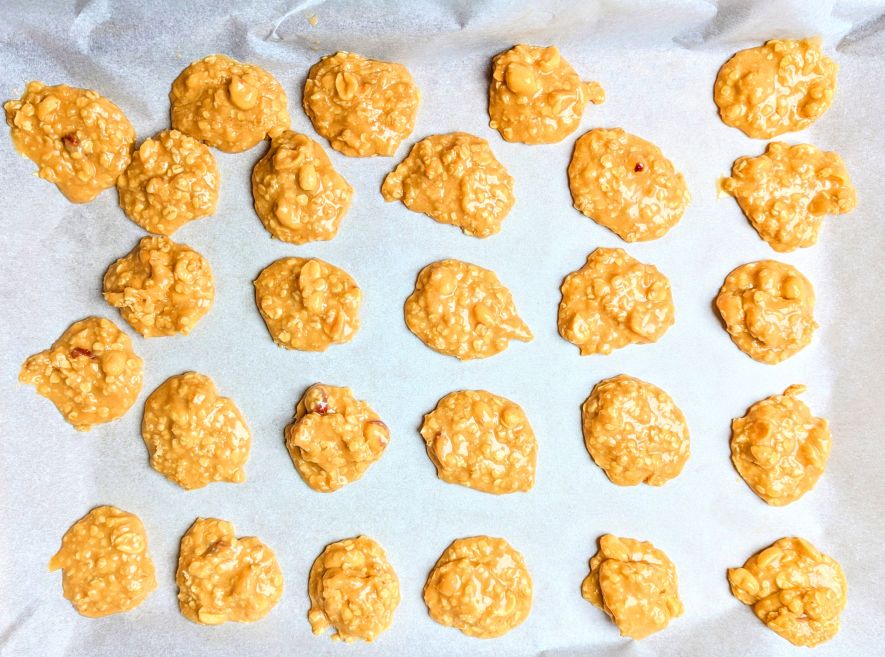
(161, 287)
(635, 432)
(171, 180)
(90, 373)
(106, 568)
(195, 436)
(783, 86)
(535, 96)
(480, 586)
(222, 578)
(787, 191)
(613, 301)
(308, 304)
(768, 310)
(481, 441)
(635, 584)
(298, 195)
(353, 589)
(79, 140)
(228, 104)
(779, 448)
(462, 310)
(334, 437)
(794, 589)
(362, 106)
(625, 183)
(453, 179)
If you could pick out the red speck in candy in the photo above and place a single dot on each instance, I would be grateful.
(76, 352)
(639, 167)
(71, 139)
(321, 407)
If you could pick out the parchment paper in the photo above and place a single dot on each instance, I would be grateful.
(657, 62)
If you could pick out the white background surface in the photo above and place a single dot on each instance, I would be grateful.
(657, 63)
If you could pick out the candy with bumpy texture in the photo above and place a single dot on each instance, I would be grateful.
(481, 441)
(787, 191)
(353, 589)
(779, 448)
(480, 586)
(223, 578)
(161, 287)
(195, 436)
(79, 140)
(171, 180)
(106, 568)
(635, 584)
(462, 310)
(625, 183)
(768, 310)
(90, 373)
(783, 86)
(228, 104)
(362, 106)
(535, 96)
(612, 301)
(334, 437)
(794, 589)
(307, 303)
(453, 179)
(635, 432)
(298, 194)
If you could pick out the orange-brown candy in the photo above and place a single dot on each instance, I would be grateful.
(635, 432)
(171, 180)
(481, 441)
(353, 589)
(480, 586)
(223, 578)
(334, 437)
(298, 194)
(228, 104)
(779, 448)
(782, 86)
(454, 179)
(362, 106)
(625, 183)
(768, 310)
(106, 568)
(161, 287)
(90, 373)
(787, 191)
(635, 584)
(194, 435)
(794, 589)
(613, 301)
(536, 97)
(79, 140)
(307, 303)
(460, 309)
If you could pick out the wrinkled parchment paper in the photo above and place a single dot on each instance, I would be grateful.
(657, 62)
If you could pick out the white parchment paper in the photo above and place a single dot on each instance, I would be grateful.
(657, 62)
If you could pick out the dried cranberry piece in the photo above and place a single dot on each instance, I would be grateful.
(639, 167)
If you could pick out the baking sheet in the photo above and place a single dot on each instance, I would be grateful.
(657, 62)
